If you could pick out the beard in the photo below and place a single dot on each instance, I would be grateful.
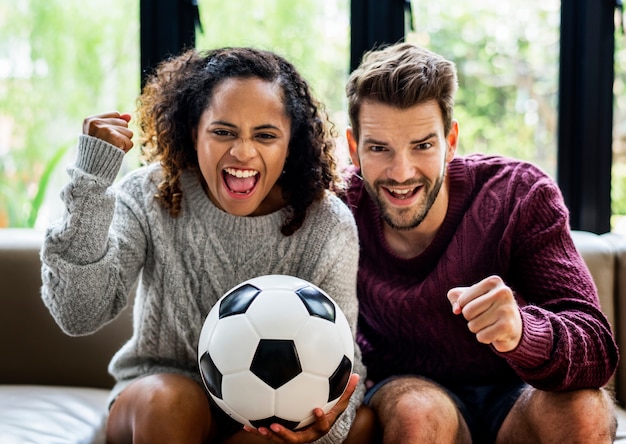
(411, 217)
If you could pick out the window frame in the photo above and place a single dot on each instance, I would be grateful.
(586, 75)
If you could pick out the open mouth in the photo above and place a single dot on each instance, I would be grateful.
(240, 181)
(401, 193)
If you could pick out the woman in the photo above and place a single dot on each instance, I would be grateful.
(240, 164)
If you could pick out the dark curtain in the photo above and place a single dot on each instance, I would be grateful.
(586, 111)
(167, 28)
(376, 22)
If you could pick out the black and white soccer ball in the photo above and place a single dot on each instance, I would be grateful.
(274, 348)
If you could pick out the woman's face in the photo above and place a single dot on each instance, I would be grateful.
(242, 143)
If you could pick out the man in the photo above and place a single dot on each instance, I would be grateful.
(479, 321)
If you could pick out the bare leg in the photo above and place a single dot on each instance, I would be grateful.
(365, 429)
(414, 410)
(165, 408)
(580, 416)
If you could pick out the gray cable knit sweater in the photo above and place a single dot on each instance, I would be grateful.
(115, 236)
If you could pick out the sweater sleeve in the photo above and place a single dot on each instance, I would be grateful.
(86, 272)
(567, 342)
(337, 271)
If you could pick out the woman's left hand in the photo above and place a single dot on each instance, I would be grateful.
(321, 426)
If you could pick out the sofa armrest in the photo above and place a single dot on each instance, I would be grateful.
(599, 256)
(618, 242)
(33, 348)
(605, 256)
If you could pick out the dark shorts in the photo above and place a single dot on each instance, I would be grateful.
(226, 425)
(484, 407)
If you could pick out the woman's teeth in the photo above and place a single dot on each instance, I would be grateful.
(241, 173)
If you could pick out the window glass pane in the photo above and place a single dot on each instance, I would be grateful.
(60, 61)
(312, 34)
(618, 188)
(507, 56)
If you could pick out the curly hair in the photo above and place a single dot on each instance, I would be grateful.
(181, 89)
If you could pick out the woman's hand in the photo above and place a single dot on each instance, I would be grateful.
(321, 426)
(111, 127)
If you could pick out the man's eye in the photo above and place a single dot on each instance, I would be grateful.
(424, 146)
(377, 148)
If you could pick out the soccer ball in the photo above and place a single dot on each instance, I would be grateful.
(272, 349)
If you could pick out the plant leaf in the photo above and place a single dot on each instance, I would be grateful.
(44, 180)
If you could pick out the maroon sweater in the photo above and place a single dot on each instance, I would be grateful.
(505, 218)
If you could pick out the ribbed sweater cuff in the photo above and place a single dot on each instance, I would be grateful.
(536, 344)
(99, 158)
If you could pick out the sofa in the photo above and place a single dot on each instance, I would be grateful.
(54, 388)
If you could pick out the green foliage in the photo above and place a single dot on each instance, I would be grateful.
(312, 34)
(64, 60)
(507, 59)
(44, 180)
(72, 58)
(618, 189)
(618, 186)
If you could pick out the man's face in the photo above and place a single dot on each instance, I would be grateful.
(403, 155)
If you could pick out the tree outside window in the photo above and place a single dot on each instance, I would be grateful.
(62, 60)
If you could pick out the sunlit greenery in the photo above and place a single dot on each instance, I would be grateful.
(62, 60)
(618, 187)
(507, 58)
(312, 34)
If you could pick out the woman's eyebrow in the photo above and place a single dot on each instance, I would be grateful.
(256, 128)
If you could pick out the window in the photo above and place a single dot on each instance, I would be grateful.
(618, 185)
(312, 34)
(60, 61)
(507, 57)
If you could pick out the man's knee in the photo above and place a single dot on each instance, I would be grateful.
(591, 409)
(571, 415)
(408, 395)
(417, 406)
(587, 403)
